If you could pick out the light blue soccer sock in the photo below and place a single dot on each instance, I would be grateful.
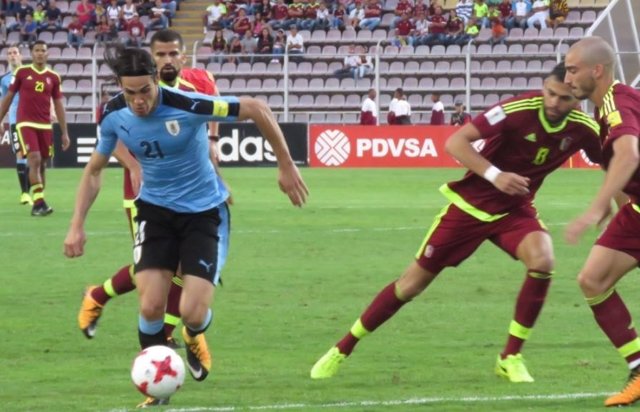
(151, 332)
(208, 319)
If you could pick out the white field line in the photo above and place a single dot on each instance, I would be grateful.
(389, 403)
(107, 233)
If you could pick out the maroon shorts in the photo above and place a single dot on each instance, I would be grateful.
(623, 232)
(35, 140)
(455, 235)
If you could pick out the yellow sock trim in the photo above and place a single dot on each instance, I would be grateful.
(519, 331)
(108, 288)
(37, 186)
(38, 196)
(177, 280)
(132, 274)
(540, 275)
(596, 300)
(358, 330)
(629, 348)
(171, 320)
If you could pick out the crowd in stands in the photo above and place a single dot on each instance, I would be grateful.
(415, 22)
(105, 17)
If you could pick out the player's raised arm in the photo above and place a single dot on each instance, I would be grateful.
(459, 146)
(87, 192)
(289, 178)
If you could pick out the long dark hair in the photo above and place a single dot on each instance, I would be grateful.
(129, 61)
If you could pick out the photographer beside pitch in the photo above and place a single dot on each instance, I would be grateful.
(182, 214)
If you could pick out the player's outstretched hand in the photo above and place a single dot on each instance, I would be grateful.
(512, 184)
(74, 243)
(291, 183)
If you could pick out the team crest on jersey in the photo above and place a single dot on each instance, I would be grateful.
(565, 143)
(48, 80)
(173, 127)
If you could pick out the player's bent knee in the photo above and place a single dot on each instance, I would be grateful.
(591, 285)
(152, 309)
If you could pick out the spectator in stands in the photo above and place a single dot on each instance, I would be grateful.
(241, 23)
(356, 15)
(349, 64)
(420, 8)
(171, 6)
(12, 7)
(264, 8)
(309, 16)
(558, 11)
(114, 13)
(481, 13)
(128, 11)
(506, 13)
(437, 110)
(295, 43)
(403, 7)
(144, 8)
(218, 46)
(459, 116)
(454, 29)
(437, 27)
(3, 28)
(249, 45)
(369, 111)
(464, 9)
(339, 18)
(265, 42)
(421, 30)
(39, 16)
(399, 109)
(295, 14)
(540, 14)
(75, 33)
(228, 19)
(258, 24)
(365, 65)
(498, 33)
(85, 11)
(28, 31)
(372, 16)
(22, 11)
(471, 31)
(235, 50)
(279, 15)
(53, 20)
(212, 18)
(322, 18)
(106, 30)
(159, 16)
(135, 32)
(405, 31)
(521, 10)
(279, 45)
(98, 12)
(432, 7)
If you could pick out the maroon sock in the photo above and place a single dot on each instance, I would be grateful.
(173, 307)
(383, 307)
(614, 319)
(121, 283)
(528, 306)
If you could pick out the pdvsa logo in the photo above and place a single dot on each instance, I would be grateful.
(332, 148)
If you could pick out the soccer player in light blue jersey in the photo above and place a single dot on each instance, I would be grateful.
(14, 58)
(182, 214)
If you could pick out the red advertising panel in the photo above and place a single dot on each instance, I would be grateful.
(390, 146)
(381, 146)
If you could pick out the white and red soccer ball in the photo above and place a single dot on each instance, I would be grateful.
(158, 372)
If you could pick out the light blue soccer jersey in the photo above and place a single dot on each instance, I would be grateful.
(5, 82)
(172, 147)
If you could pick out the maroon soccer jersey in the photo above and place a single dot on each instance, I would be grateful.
(619, 116)
(518, 139)
(36, 89)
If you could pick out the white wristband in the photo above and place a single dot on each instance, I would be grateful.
(491, 173)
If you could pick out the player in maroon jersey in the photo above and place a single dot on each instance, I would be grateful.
(590, 73)
(526, 138)
(37, 85)
(167, 48)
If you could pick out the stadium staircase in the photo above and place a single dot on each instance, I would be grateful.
(188, 21)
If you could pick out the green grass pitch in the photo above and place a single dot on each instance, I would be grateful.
(295, 281)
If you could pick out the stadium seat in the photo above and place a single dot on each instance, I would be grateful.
(396, 67)
(531, 33)
(259, 68)
(503, 66)
(223, 84)
(316, 118)
(316, 83)
(426, 83)
(503, 83)
(576, 33)
(349, 118)
(243, 68)
(412, 67)
(427, 67)
(477, 101)
(515, 48)
(406, 52)
(364, 36)
(394, 83)
(535, 83)
(438, 50)
(60, 39)
(588, 16)
(306, 100)
(534, 66)
(561, 32)
(313, 51)
(499, 49)
(75, 69)
(254, 84)
(74, 102)
(336, 100)
(491, 99)
(228, 68)
(333, 117)
(488, 83)
(519, 83)
(238, 84)
(442, 66)
(441, 83)
(410, 83)
(547, 48)
(488, 66)
(332, 83)
(318, 36)
(61, 69)
(422, 50)
(304, 68)
(300, 84)
(68, 84)
(347, 84)
(457, 83)
(458, 66)
(269, 84)
(531, 48)
(275, 101)
(415, 100)
(353, 100)
(84, 86)
(333, 36)
(453, 50)
(348, 35)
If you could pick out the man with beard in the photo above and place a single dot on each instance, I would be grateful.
(167, 49)
(590, 73)
(527, 137)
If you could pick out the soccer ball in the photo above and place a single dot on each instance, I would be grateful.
(158, 371)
